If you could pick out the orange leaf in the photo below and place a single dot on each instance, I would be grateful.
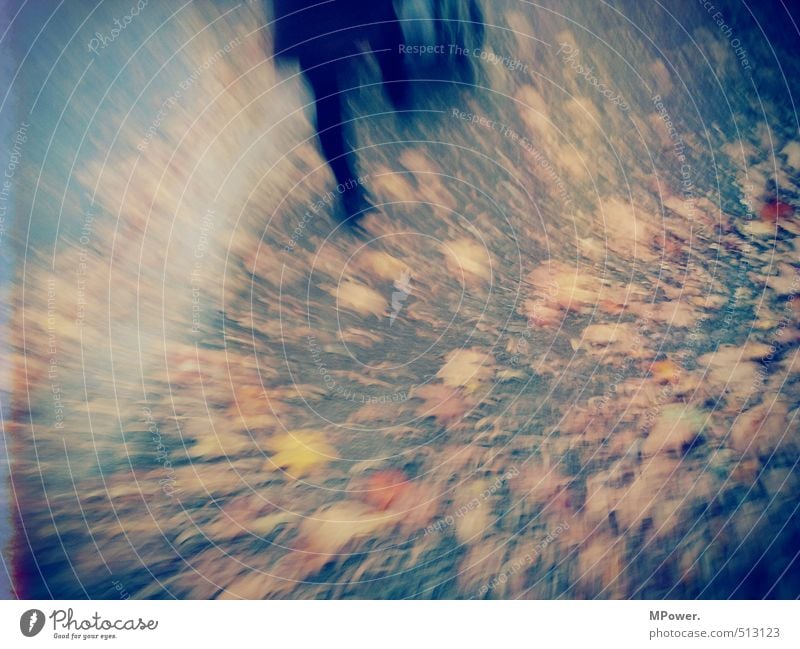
(775, 211)
(666, 371)
(442, 403)
(383, 487)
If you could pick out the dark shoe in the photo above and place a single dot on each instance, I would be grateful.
(353, 205)
(399, 93)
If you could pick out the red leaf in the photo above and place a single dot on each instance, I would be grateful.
(776, 210)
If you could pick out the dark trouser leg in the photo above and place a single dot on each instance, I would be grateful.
(325, 85)
(392, 62)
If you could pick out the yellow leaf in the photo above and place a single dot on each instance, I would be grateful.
(666, 371)
(360, 298)
(333, 528)
(467, 257)
(265, 524)
(384, 265)
(299, 452)
(466, 368)
(675, 430)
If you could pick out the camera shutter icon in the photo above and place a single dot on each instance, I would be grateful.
(31, 622)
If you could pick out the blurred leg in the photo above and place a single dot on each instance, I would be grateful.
(392, 62)
(328, 102)
(325, 86)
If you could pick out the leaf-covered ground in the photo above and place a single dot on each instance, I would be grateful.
(561, 362)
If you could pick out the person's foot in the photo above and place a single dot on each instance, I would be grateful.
(399, 93)
(465, 71)
(353, 205)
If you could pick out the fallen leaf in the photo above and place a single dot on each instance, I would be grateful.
(675, 430)
(666, 371)
(299, 452)
(382, 488)
(445, 404)
(467, 257)
(541, 313)
(332, 529)
(616, 338)
(787, 282)
(383, 265)
(775, 211)
(360, 298)
(760, 430)
(466, 368)
(757, 228)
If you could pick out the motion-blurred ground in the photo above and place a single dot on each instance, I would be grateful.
(562, 362)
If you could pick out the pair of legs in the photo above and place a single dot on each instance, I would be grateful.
(325, 80)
